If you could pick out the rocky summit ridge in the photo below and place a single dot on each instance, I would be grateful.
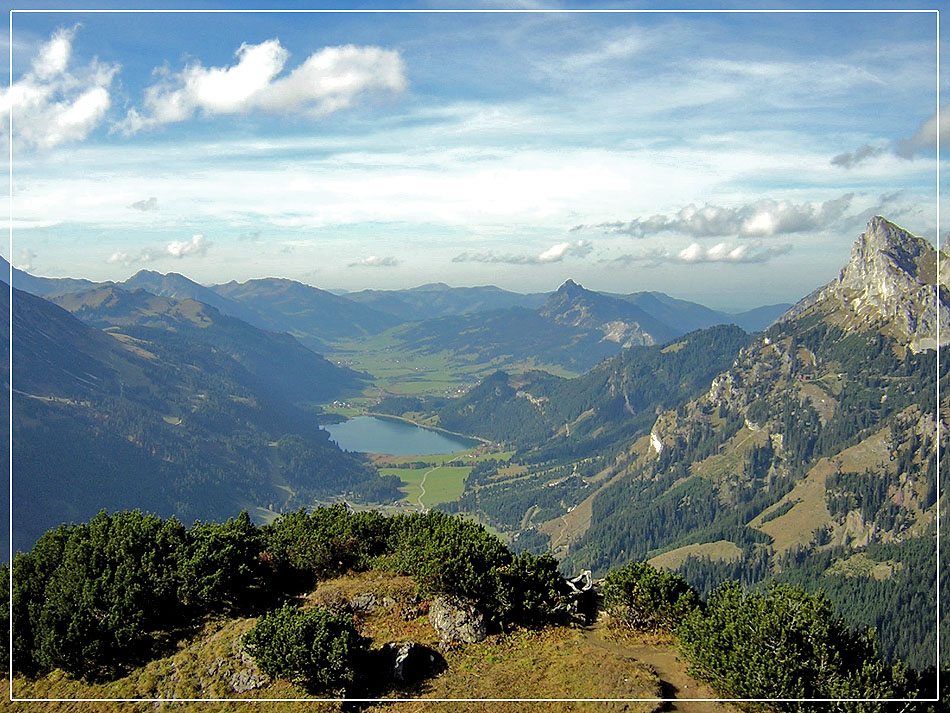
(891, 282)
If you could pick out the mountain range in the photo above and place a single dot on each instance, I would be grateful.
(319, 319)
(801, 453)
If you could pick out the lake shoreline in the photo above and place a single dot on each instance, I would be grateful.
(383, 434)
(484, 441)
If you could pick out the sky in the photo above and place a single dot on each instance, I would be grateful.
(727, 158)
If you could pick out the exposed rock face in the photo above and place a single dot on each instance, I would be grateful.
(456, 621)
(891, 278)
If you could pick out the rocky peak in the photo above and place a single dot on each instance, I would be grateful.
(570, 289)
(890, 279)
(885, 260)
(569, 297)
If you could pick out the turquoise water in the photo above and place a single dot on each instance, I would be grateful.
(368, 434)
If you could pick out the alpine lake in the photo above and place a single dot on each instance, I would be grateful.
(388, 436)
(418, 456)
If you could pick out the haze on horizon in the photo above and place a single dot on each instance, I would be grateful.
(729, 159)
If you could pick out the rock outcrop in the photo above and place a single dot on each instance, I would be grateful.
(890, 279)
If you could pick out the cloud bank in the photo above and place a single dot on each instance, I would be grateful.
(556, 253)
(760, 219)
(743, 253)
(54, 103)
(327, 81)
(925, 139)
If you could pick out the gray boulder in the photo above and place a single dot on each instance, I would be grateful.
(455, 621)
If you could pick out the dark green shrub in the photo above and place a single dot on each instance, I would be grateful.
(529, 590)
(218, 566)
(326, 542)
(306, 645)
(783, 643)
(87, 598)
(448, 555)
(646, 598)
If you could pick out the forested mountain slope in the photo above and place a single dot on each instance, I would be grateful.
(811, 458)
(575, 329)
(275, 363)
(159, 422)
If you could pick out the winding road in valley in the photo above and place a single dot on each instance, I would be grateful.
(422, 486)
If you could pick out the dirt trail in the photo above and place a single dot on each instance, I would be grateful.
(663, 658)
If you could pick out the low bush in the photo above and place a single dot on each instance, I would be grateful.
(782, 643)
(310, 646)
(648, 599)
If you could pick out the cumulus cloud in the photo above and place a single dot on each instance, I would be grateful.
(53, 103)
(697, 254)
(181, 248)
(327, 81)
(178, 249)
(146, 205)
(761, 219)
(555, 253)
(375, 261)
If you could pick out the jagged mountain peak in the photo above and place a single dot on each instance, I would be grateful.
(882, 250)
(889, 282)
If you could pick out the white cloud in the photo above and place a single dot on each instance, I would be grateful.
(27, 256)
(327, 81)
(619, 47)
(196, 246)
(52, 104)
(695, 253)
(764, 218)
(555, 253)
(375, 261)
(178, 249)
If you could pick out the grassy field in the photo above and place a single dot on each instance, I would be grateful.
(402, 372)
(443, 483)
(719, 551)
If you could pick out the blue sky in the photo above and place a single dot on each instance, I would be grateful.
(730, 159)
